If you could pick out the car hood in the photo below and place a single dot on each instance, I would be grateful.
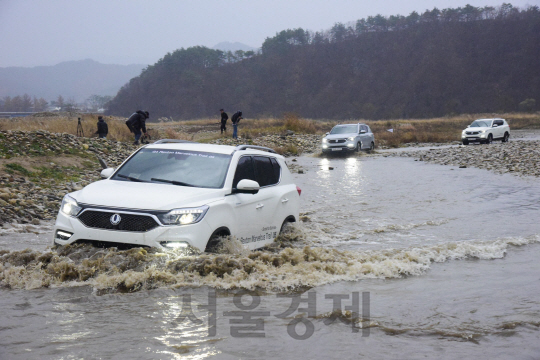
(340, 136)
(146, 196)
(482, 128)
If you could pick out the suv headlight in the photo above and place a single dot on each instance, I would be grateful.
(351, 138)
(324, 141)
(184, 216)
(69, 206)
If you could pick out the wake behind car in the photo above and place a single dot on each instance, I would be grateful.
(348, 137)
(485, 131)
(178, 194)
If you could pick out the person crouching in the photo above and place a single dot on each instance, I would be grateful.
(102, 128)
(136, 123)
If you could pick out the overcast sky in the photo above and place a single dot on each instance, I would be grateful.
(35, 32)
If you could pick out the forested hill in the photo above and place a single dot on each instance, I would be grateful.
(422, 65)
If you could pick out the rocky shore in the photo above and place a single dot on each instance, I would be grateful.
(38, 168)
(516, 157)
(289, 144)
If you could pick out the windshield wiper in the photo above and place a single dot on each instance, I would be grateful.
(173, 182)
(130, 178)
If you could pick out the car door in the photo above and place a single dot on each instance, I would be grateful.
(370, 137)
(267, 173)
(246, 207)
(359, 136)
(364, 137)
(499, 129)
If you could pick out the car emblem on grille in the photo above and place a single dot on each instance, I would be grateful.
(115, 219)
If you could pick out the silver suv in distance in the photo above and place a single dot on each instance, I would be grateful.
(348, 137)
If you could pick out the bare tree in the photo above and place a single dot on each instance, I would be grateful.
(26, 104)
(60, 101)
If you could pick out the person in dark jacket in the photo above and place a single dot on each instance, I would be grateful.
(102, 128)
(224, 118)
(136, 123)
(235, 120)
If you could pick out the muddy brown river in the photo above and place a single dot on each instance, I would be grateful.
(394, 259)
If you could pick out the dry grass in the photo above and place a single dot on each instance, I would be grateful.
(252, 128)
(170, 133)
(437, 130)
(441, 130)
(65, 124)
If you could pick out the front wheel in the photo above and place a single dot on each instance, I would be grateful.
(505, 137)
(358, 147)
(372, 146)
(489, 139)
(215, 243)
(465, 142)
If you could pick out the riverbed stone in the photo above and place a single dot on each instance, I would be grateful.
(521, 157)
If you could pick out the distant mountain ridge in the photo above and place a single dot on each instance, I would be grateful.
(232, 46)
(71, 79)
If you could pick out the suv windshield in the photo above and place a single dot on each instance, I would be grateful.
(344, 129)
(481, 123)
(176, 167)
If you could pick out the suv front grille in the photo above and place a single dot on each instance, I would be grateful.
(129, 222)
(471, 132)
(338, 141)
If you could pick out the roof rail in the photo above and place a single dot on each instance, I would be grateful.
(262, 148)
(172, 141)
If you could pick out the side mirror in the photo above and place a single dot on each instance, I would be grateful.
(327, 133)
(495, 125)
(246, 186)
(363, 131)
(106, 173)
(468, 125)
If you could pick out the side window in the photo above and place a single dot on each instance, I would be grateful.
(364, 127)
(277, 171)
(267, 170)
(244, 170)
(498, 122)
(264, 170)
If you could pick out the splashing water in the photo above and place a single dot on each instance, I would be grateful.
(287, 265)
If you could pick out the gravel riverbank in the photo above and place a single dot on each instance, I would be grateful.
(517, 157)
(38, 168)
(287, 145)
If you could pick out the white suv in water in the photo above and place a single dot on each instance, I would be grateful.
(178, 194)
(485, 131)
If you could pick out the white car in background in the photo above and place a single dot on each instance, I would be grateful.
(485, 131)
(178, 194)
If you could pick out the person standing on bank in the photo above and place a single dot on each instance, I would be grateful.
(136, 123)
(224, 118)
(102, 128)
(235, 120)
